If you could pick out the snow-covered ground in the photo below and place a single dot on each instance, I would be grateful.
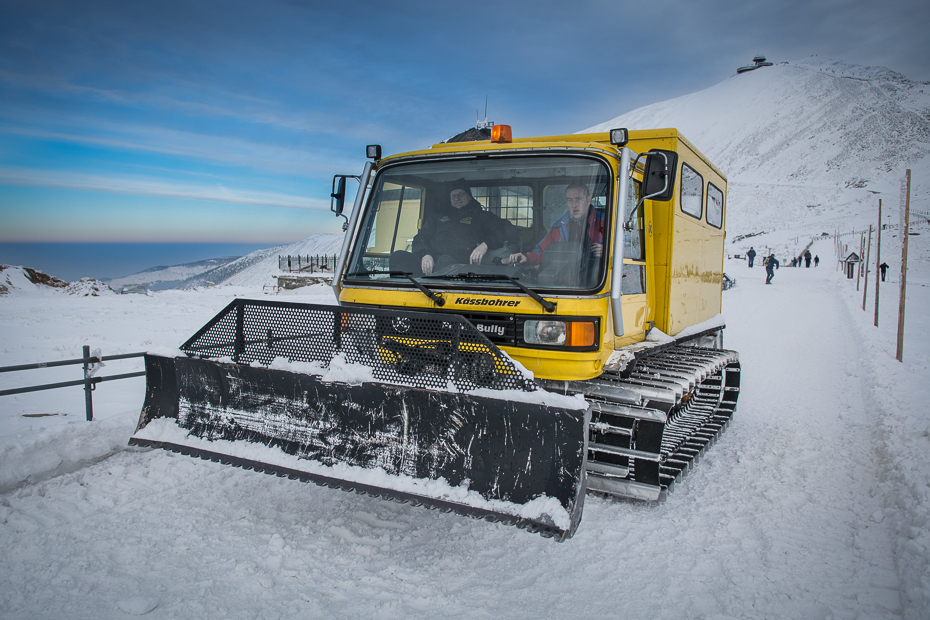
(814, 504)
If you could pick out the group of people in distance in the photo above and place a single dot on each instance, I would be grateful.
(771, 263)
(463, 233)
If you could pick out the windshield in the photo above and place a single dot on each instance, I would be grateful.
(540, 220)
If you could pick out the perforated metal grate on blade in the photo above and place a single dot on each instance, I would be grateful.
(410, 348)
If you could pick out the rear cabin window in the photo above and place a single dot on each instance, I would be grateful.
(714, 206)
(692, 191)
(514, 203)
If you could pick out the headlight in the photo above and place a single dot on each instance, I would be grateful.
(544, 332)
(560, 333)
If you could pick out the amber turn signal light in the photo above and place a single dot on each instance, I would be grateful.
(579, 333)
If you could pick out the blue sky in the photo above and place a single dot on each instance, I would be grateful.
(133, 121)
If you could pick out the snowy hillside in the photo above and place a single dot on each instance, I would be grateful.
(165, 277)
(255, 269)
(260, 267)
(15, 279)
(806, 146)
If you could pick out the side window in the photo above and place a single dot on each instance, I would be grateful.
(396, 222)
(634, 239)
(714, 206)
(692, 191)
(633, 280)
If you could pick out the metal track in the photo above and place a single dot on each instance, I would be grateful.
(650, 426)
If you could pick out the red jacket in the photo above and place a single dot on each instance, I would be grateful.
(559, 232)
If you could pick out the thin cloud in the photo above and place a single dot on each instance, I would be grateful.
(58, 179)
(262, 112)
(215, 149)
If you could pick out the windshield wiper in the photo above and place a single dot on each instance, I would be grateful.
(545, 303)
(403, 274)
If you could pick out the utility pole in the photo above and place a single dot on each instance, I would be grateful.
(878, 257)
(907, 223)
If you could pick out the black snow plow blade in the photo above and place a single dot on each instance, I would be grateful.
(410, 406)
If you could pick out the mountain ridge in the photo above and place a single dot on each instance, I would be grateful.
(806, 143)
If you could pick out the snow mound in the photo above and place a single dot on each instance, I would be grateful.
(89, 287)
(27, 280)
(137, 605)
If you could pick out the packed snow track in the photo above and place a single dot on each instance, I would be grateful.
(787, 516)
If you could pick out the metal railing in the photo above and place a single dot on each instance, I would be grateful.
(307, 263)
(89, 381)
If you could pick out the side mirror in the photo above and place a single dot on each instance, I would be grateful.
(659, 175)
(338, 197)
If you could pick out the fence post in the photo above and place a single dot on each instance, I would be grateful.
(88, 386)
(865, 285)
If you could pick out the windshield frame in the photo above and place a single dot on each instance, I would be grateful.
(601, 158)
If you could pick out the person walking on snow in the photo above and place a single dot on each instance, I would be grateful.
(771, 264)
(751, 255)
(807, 259)
(884, 268)
(816, 261)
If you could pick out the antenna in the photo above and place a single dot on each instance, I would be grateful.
(479, 124)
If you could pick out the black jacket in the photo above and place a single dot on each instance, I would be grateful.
(457, 232)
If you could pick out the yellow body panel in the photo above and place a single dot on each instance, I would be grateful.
(568, 365)
(684, 260)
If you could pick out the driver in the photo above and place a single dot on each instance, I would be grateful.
(460, 233)
(579, 217)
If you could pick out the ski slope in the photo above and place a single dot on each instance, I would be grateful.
(814, 503)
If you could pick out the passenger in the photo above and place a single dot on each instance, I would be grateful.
(460, 233)
(580, 218)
